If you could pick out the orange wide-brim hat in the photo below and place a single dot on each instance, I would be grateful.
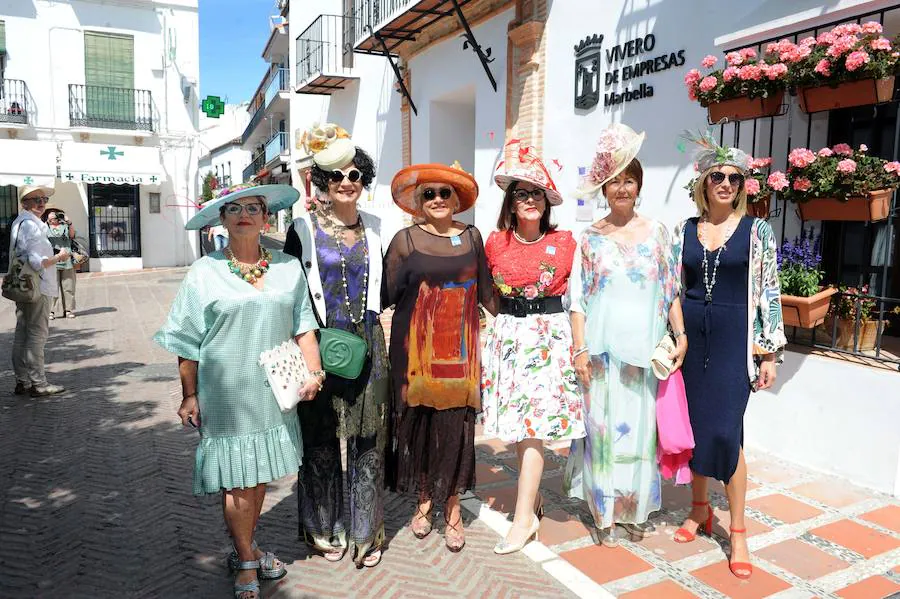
(405, 183)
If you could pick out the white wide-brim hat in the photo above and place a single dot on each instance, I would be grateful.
(277, 197)
(329, 145)
(619, 144)
(26, 189)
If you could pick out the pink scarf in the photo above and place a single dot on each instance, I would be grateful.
(675, 440)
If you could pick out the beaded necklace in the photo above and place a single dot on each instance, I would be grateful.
(339, 230)
(247, 272)
(525, 241)
(709, 280)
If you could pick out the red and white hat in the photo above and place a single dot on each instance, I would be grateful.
(526, 166)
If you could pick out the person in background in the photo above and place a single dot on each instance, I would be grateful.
(29, 241)
(62, 233)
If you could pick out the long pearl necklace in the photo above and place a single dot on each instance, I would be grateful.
(339, 230)
(525, 241)
(709, 279)
(250, 273)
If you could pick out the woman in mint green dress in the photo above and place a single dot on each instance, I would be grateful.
(233, 305)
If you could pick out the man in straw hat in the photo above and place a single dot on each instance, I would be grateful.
(28, 236)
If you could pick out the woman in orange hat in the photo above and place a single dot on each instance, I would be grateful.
(436, 275)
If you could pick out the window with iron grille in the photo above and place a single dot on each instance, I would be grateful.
(109, 76)
(115, 221)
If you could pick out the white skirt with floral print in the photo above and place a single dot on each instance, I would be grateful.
(528, 382)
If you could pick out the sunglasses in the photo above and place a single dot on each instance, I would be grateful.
(254, 209)
(522, 195)
(430, 193)
(338, 176)
(734, 179)
(39, 199)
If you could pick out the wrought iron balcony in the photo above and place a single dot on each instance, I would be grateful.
(256, 165)
(110, 107)
(279, 80)
(325, 54)
(14, 102)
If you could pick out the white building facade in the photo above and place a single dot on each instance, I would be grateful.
(518, 77)
(100, 101)
(223, 153)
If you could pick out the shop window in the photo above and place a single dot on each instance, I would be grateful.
(856, 253)
(115, 223)
(9, 209)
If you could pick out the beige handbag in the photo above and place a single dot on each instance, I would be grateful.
(22, 283)
(660, 362)
(286, 372)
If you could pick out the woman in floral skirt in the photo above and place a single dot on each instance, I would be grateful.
(530, 392)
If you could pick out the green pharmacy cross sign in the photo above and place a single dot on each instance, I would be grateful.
(213, 107)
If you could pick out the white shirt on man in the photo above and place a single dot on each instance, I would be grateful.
(30, 237)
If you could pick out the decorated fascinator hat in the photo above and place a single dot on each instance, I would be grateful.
(329, 145)
(617, 147)
(405, 183)
(526, 166)
(277, 197)
(709, 153)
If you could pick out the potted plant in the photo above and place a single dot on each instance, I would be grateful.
(844, 309)
(759, 192)
(838, 183)
(804, 302)
(851, 65)
(746, 88)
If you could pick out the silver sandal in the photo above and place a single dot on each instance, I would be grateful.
(241, 589)
(266, 569)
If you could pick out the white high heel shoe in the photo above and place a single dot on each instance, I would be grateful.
(504, 547)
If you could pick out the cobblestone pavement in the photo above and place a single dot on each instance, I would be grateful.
(95, 501)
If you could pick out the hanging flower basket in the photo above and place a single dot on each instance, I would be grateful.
(806, 312)
(759, 208)
(872, 207)
(744, 108)
(846, 95)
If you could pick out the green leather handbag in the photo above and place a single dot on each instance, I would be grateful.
(343, 353)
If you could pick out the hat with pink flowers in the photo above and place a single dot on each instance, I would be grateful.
(527, 167)
(619, 144)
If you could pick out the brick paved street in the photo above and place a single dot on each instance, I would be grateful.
(95, 501)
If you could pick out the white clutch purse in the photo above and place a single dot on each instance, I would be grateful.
(660, 362)
(286, 372)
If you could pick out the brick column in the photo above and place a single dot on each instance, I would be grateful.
(526, 73)
(406, 120)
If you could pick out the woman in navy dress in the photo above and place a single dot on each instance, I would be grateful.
(732, 317)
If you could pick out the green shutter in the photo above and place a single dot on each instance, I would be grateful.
(2, 37)
(109, 75)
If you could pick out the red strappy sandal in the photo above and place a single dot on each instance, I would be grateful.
(682, 535)
(742, 570)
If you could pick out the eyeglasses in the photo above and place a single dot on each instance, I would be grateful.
(522, 195)
(430, 193)
(39, 199)
(734, 179)
(254, 209)
(338, 176)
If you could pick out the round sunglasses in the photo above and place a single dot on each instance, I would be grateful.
(338, 176)
(429, 193)
(522, 195)
(734, 179)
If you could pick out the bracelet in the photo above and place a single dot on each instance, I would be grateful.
(319, 374)
(678, 334)
(579, 351)
(184, 397)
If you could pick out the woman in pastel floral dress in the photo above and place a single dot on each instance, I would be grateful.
(624, 291)
(530, 392)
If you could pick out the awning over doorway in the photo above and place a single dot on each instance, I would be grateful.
(111, 164)
(27, 162)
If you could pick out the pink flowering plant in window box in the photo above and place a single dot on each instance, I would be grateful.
(742, 73)
(837, 172)
(849, 52)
